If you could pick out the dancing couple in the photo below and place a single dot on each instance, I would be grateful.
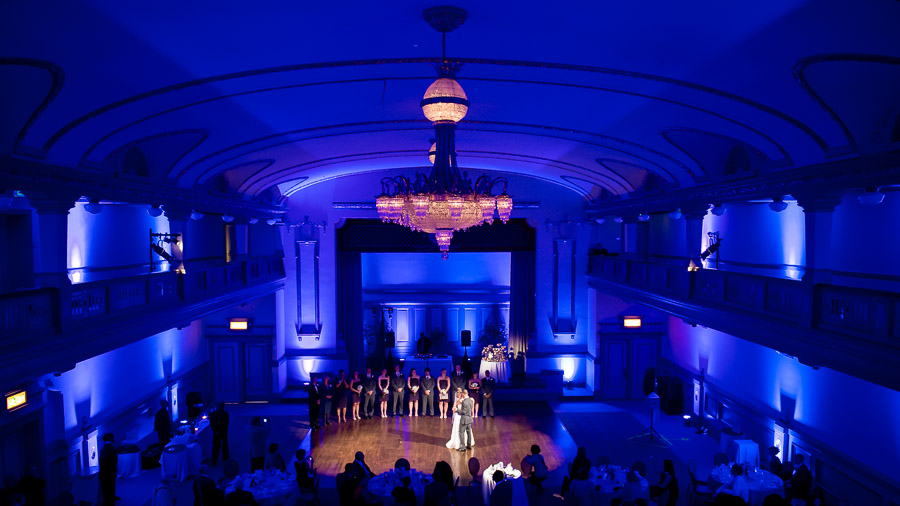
(461, 436)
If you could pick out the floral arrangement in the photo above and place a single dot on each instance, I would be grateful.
(494, 353)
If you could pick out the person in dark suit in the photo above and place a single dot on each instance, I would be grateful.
(360, 468)
(398, 385)
(205, 491)
(502, 495)
(109, 461)
(313, 401)
(427, 384)
(488, 384)
(240, 497)
(162, 424)
(370, 385)
(194, 402)
(459, 380)
(801, 479)
(327, 397)
(218, 422)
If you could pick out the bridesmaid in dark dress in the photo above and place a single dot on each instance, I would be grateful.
(384, 385)
(340, 396)
(443, 386)
(412, 383)
(475, 392)
(356, 387)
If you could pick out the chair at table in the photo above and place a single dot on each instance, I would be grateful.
(309, 496)
(474, 471)
(719, 459)
(697, 490)
(453, 499)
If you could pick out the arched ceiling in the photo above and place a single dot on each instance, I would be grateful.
(598, 96)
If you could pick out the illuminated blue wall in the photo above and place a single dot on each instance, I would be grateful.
(413, 271)
(101, 387)
(113, 243)
(833, 407)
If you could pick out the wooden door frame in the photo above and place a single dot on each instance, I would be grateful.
(263, 334)
(609, 331)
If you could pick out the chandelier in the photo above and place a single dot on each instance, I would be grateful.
(446, 200)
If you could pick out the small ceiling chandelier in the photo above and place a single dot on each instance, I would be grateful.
(445, 200)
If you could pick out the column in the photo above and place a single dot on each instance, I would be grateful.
(564, 288)
(50, 260)
(308, 289)
(818, 213)
(693, 229)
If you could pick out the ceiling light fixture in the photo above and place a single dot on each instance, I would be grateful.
(600, 221)
(871, 197)
(196, 215)
(676, 214)
(272, 221)
(643, 217)
(444, 201)
(618, 219)
(227, 218)
(718, 209)
(778, 204)
(254, 220)
(154, 211)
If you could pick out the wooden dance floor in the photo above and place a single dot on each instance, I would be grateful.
(421, 440)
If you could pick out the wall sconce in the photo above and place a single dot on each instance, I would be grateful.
(238, 324)
(631, 322)
(196, 215)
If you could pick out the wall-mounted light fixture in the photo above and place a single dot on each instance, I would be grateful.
(778, 204)
(154, 211)
(675, 215)
(631, 322)
(718, 209)
(94, 206)
(227, 218)
(254, 220)
(238, 324)
(196, 215)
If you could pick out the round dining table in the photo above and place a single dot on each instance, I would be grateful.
(609, 482)
(181, 461)
(383, 484)
(761, 483)
(512, 474)
(269, 488)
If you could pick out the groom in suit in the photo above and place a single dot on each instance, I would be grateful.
(465, 409)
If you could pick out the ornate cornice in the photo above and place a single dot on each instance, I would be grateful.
(825, 178)
(30, 176)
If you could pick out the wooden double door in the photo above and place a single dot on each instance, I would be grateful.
(242, 368)
(624, 360)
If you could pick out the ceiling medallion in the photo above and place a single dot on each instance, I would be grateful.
(445, 200)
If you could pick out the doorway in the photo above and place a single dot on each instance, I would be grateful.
(242, 368)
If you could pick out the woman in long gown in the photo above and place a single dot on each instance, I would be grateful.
(454, 434)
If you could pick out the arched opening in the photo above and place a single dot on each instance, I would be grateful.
(135, 163)
(737, 160)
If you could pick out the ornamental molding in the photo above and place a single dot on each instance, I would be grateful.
(30, 176)
(826, 178)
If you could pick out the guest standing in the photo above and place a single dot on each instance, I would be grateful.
(474, 387)
(313, 401)
(218, 422)
(412, 383)
(458, 380)
(384, 390)
(667, 483)
(327, 400)
(801, 479)
(370, 384)
(303, 470)
(356, 389)
(109, 461)
(398, 384)
(162, 424)
(443, 385)
(259, 433)
(487, 394)
(340, 396)
(427, 385)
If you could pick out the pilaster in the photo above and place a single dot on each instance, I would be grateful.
(50, 262)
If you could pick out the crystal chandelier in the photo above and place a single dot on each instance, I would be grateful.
(445, 200)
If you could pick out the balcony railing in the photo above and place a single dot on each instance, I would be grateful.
(50, 310)
(868, 314)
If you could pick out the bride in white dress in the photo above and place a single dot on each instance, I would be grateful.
(454, 434)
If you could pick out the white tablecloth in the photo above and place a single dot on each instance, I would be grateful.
(434, 363)
(499, 370)
(518, 483)
(761, 483)
(129, 465)
(611, 480)
(746, 451)
(180, 461)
